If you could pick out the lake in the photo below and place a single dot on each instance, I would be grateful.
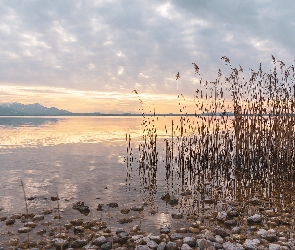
(171, 165)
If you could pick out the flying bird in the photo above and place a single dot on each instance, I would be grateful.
(196, 68)
(135, 91)
(177, 76)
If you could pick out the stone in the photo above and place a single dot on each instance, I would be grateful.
(232, 212)
(60, 243)
(218, 239)
(155, 238)
(185, 247)
(251, 244)
(191, 241)
(136, 237)
(125, 211)
(177, 216)
(165, 230)
(221, 216)
(99, 241)
(173, 201)
(99, 207)
(142, 247)
(78, 229)
(113, 204)
(255, 219)
(221, 231)
(274, 246)
(152, 244)
(41, 232)
(232, 246)
(137, 208)
(171, 246)
(194, 229)
(203, 244)
(161, 246)
(24, 230)
(135, 228)
(79, 243)
(235, 230)
(77, 222)
(30, 224)
(38, 217)
(124, 220)
(230, 223)
(10, 222)
(175, 236)
(106, 246)
(181, 230)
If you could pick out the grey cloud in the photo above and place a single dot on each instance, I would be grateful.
(105, 45)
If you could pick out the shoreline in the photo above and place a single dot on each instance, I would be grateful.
(231, 228)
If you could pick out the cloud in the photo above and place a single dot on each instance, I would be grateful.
(110, 45)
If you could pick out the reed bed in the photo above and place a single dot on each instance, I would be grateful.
(238, 146)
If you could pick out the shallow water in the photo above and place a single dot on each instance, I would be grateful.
(114, 159)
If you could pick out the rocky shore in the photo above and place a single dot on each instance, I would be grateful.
(231, 228)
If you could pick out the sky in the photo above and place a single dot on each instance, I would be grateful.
(88, 56)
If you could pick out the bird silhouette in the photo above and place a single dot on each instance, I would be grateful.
(135, 91)
(177, 76)
(196, 68)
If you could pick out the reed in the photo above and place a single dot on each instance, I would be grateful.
(239, 145)
(27, 212)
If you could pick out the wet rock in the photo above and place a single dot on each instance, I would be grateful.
(230, 223)
(255, 219)
(79, 206)
(54, 198)
(232, 246)
(251, 244)
(209, 201)
(13, 242)
(218, 239)
(124, 220)
(99, 241)
(79, 243)
(173, 201)
(221, 216)
(135, 228)
(181, 230)
(269, 235)
(60, 243)
(142, 247)
(89, 247)
(194, 230)
(16, 216)
(77, 222)
(209, 236)
(232, 212)
(31, 224)
(274, 247)
(176, 236)
(155, 238)
(106, 246)
(255, 201)
(191, 241)
(137, 208)
(47, 211)
(99, 207)
(10, 222)
(152, 244)
(38, 217)
(185, 247)
(204, 244)
(78, 229)
(161, 246)
(41, 232)
(24, 230)
(3, 218)
(120, 230)
(171, 246)
(221, 231)
(125, 211)
(123, 237)
(136, 237)
(177, 216)
(113, 204)
(165, 230)
(236, 230)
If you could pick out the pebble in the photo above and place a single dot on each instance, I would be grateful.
(165, 230)
(171, 246)
(251, 244)
(191, 241)
(221, 216)
(152, 244)
(255, 219)
(175, 236)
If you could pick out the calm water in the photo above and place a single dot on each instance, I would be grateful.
(80, 158)
(131, 160)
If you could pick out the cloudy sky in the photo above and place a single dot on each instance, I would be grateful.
(88, 56)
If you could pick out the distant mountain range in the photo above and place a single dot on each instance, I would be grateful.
(36, 109)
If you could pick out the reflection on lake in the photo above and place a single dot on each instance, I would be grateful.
(172, 168)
